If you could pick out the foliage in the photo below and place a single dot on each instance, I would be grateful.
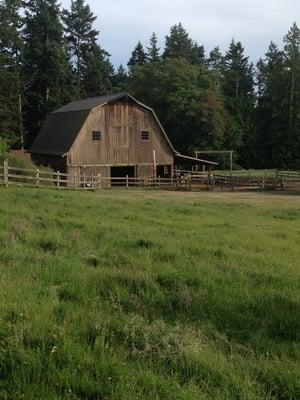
(137, 295)
(180, 45)
(138, 56)
(278, 110)
(11, 84)
(46, 67)
(186, 99)
(97, 73)
(153, 49)
(49, 56)
(91, 65)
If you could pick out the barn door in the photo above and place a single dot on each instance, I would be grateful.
(120, 144)
(120, 121)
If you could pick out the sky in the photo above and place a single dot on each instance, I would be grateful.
(209, 22)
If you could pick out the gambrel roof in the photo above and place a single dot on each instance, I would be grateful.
(63, 125)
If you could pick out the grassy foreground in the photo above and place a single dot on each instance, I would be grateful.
(142, 295)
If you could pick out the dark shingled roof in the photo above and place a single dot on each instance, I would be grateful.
(90, 103)
(63, 125)
(59, 133)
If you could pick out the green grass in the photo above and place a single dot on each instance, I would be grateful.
(143, 295)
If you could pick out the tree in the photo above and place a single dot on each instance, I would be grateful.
(81, 38)
(215, 60)
(292, 53)
(46, 69)
(238, 91)
(11, 80)
(120, 83)
(97, 73)
(186, 99)
(138, 56)
(272, 108)
(153, 50)
(180, 45)
(292, 61)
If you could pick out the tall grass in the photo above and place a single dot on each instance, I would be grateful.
(130, 295)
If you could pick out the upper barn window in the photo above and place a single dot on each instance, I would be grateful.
(96, 135)
(145, 135)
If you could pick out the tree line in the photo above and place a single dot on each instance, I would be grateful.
(50, 56)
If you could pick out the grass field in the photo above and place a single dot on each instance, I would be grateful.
(143, 295)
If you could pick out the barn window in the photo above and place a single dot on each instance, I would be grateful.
(96, 135)
(145, 135)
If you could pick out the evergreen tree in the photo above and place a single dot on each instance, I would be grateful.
(292, 61)
(153, 49)
(121, 80)
(11, 82)
(180, 45)
(138, 56)
(272, 108)
(238, 91)
(81, 38)
(97, 73)
(46, 69)
(215, 60)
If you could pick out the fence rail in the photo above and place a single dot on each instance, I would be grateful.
(182, 180)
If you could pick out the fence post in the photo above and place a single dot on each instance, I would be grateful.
(127, 183)
(37, 178)
(5, 173)
(84, 181)
(74, 178)
(208, 180)
(57, 180)
(275, 180)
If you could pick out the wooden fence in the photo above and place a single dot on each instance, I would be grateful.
(15, 176)
(182, 180)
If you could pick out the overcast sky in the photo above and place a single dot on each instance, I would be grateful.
(210, 22)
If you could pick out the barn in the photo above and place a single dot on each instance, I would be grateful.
(113, 135)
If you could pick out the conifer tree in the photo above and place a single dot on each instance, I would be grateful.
(238, 91)
(292, 61)
(138, 56)
(180, 45)
(97, 73)
(215, 60)
(46, 70)
(81, 38)
(11, 82)
(272, 108)
(121, 80)
(153, 49)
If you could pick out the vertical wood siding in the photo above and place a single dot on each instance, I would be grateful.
(121, 124)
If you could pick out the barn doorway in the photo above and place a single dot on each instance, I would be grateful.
(163, 171)
(121, 172)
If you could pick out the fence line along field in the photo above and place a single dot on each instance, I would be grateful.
(180, 180)
(154, 295)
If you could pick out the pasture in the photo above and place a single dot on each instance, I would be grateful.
(141, 295)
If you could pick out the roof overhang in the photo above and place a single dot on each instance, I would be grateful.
(192, 160)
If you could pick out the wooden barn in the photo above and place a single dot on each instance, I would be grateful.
(113, 135)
